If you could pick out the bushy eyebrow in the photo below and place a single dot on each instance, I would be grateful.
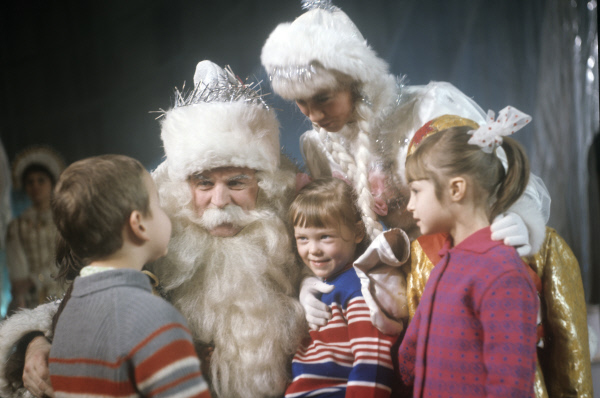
(239, 177)
(203, 177)
(199, 177)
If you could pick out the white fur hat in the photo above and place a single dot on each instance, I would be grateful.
(221, 122)
(295, 53)
(40, 155)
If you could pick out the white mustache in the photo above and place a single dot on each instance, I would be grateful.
(230, 214)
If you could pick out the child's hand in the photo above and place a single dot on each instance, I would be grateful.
(317, 313)
(510, 228)
(36, 376)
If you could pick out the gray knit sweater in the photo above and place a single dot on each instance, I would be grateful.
(114, 338)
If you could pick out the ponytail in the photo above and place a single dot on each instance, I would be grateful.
(447, 154)
(515, 180)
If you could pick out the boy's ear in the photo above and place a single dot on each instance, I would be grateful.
(360, 232)
(457, 187)
(137, 226)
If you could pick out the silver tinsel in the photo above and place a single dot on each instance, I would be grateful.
(223, 90)
(385, 123)
(322, 4)
(366, 100)
(296, 73)
(391, 108)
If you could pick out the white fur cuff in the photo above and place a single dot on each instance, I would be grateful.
(12, 330)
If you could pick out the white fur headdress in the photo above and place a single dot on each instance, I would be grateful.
(221, 122)
(295, 53)
(41, 155)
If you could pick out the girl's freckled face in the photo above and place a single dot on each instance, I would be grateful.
(326, 251)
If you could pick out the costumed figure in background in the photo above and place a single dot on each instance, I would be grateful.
(364, 119)
(5, 216)
(230, 268)
(30, 241)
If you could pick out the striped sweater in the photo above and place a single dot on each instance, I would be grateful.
(347, 358)
(115, 339)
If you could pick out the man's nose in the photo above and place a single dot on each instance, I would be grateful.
(220, 196)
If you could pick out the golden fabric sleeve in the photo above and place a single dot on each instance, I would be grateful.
(416, 276)
(565, 357)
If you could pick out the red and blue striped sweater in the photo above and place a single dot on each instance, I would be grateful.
(347, 358)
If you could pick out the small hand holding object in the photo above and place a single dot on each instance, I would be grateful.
(383, 283)
(510, 228)
(36, 376)
(317, 312)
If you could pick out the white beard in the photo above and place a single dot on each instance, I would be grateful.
(238, 293)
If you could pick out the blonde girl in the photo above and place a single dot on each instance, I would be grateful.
(349, 356)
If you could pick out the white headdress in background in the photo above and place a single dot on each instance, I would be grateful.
(41, 155)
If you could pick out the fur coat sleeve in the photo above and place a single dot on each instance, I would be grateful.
(12, 349)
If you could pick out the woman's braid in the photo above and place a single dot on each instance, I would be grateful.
(357, 170)
(363, 159)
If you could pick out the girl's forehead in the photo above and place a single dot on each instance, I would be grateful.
(420, 181)
(323, 223)
(320, 223)
(316, 94)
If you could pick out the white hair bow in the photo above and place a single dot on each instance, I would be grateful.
(489, 136)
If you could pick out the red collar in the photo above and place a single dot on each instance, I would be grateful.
(478, 242)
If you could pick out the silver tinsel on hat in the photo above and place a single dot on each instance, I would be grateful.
(293, 72)
(322, 4)
(229, 89)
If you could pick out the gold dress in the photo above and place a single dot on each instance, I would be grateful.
(563, 368)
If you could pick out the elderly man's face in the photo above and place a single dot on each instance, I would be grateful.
(223, 186)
